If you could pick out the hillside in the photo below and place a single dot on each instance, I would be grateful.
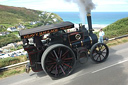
(11, 17)
(117, 28)
(14, 15)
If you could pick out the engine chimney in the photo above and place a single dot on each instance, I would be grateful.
(89, 22)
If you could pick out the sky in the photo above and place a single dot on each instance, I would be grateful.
(63, 6)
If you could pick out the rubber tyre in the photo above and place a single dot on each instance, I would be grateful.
(47, 52)
(100, 53)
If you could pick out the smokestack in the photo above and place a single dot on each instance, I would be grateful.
(85, 6)
(89, 22)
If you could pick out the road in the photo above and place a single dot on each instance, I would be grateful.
(114, 71)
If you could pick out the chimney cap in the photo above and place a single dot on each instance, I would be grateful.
(88, 14)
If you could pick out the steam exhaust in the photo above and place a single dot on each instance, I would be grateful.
(85, 7)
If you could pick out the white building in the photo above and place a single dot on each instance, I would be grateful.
(12, 29)
(20, 27)
(52, 16)
(4, 33)
(55, 20)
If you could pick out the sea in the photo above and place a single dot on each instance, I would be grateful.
(99, 19)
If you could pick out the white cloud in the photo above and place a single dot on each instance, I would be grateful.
(3, 0)
(110, 2)
(52, 5)
(62, 5)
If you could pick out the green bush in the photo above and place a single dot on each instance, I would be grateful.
(12, 60)
(117, 28)
(9, 61)
(22, 58)
(4, 40)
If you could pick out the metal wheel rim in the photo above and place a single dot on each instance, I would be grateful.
(100, 52)
(59, 62)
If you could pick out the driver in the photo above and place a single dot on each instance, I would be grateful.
(37, 41)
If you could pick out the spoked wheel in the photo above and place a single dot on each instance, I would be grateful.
(58, 61)
(99, 52)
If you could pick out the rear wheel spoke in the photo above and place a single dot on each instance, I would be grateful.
(56, 71)
(62, 69)
(67, 59)
(52, 55)
(52, 68)
(55, 54)
(67, 65)
(52, 59)
(60, 54)
(59, 61)
(65, 53)
(51, 63)
(58, 51)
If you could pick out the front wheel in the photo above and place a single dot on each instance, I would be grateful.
(99, 52)
(58, 61)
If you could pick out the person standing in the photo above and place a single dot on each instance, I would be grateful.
(101, 35)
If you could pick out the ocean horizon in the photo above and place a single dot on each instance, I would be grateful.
(99, 19)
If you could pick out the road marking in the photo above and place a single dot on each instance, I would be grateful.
(69, 78)
(110, 66)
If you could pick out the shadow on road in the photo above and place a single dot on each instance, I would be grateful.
(39, 74)
(115, 75)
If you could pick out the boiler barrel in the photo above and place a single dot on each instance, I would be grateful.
(87, 42)
(90, 40)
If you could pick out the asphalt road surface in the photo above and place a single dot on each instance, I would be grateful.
(114, 71)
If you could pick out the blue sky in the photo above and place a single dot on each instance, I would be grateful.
(62, 5)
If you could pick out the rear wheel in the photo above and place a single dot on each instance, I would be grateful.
(99, 52)
(58, 61)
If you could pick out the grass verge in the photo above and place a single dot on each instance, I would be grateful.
(117, 41)
(11, 72)
(12, 60)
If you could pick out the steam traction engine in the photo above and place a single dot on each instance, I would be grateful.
(55, 51)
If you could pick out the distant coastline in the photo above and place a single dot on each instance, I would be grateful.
(96, 27)
(99, 19)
